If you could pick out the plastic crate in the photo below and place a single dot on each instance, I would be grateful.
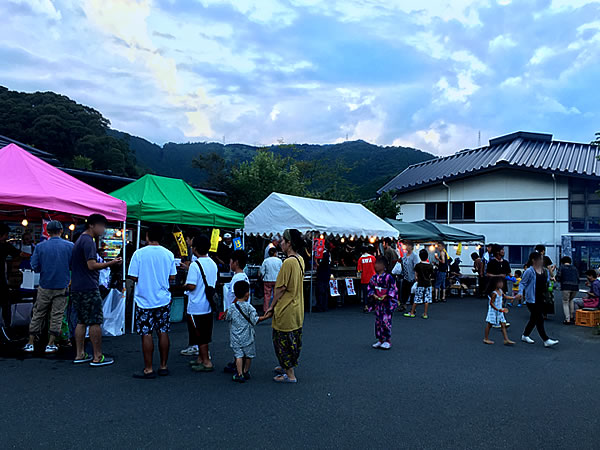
(587, 318)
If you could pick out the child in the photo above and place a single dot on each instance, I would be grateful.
(423, 275)
(237, 264)
(495, 315)
(592, 300)
(515, 288)
(242, 317)
(383, 299)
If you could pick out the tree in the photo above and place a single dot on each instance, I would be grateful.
(217, 170)
(82, 162)
(384, 206)
(252, 181)
(597, 141)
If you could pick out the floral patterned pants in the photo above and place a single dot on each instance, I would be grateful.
(383, 321)
(287, 346)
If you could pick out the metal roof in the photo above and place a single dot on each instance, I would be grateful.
(4, 141)
(521, 150)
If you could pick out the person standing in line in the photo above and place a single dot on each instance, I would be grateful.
(568, 277)
(441, 256)
(322, 281)
(200, 283)
(498, 266)
(383, 295)
(287, 308)
(237, 264)
(409, 261)
(534, 288)
(152, 268)
(189, 234)
(85, 291)
(479, 270)
(224, 251)
(273, 244)
(495, 315)
(52, 260)
(366, 270)
(242, 319)
(268, 271)
(390, 255)
(6, 250)
(423, 276)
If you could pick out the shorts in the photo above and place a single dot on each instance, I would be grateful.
(440, 280)
(249, 351)
(202, 324)
(152, 319)
(422, 295)
(88, 305)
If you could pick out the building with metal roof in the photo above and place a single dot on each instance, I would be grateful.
(520, 190)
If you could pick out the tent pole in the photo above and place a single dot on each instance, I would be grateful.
(312, 268)
(139, 226)
(124, 255)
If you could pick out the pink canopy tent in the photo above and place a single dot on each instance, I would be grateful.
(28, 182)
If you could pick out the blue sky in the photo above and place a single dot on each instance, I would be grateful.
(424, 73)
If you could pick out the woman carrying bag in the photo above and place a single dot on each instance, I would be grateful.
(534, 288)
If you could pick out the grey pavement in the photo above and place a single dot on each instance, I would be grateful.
(438, 387)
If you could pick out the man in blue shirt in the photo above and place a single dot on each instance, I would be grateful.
(52, 260)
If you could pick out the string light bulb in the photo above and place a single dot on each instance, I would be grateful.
(432, 248)
(72, 227)
(25, 222)
(119, 233)
(342, 240)
(372, 239)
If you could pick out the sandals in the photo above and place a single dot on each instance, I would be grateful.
(202, 368)
(279, 370)
(284, 379)
(86, 359)
(144, 375)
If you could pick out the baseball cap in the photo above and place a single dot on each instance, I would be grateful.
(53, 226)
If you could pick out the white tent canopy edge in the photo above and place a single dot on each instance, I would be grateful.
(281, 211)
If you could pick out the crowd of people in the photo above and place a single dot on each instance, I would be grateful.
(389, 281)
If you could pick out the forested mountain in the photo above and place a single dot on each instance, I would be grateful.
(81, 137)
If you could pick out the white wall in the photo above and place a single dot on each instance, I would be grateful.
(511, 207)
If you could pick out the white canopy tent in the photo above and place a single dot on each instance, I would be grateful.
(280, 211)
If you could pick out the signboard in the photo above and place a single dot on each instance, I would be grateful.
(178, 235)
(214, 240)
(350, 286)
(333, 288)
(318, 248)
(237, 244)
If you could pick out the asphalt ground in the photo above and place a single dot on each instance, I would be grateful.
(438, 387)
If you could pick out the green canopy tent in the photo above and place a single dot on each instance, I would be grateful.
(426, 231)
(169, 200)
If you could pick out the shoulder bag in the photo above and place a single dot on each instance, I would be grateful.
(208, 290)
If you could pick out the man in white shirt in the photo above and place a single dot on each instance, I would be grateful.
(152, 268)
(273, 244)
(199, 308)
(269, 270)
(237, 264)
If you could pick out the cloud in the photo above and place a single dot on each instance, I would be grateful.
(440, 138)
(42, 7)
(163, 35)
(541, 55)
(502, 41)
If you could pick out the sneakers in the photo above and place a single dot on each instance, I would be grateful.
(425, 316)
(51, 349)
(412, 316)
(386, 346)
(28, 348)
(527, 339)
(192, 350)
(550, 343)
(376, 344)
(238, 378)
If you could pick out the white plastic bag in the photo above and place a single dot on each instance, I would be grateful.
(397, 270)
(113, 309)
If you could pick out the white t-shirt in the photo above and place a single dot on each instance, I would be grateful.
(228, 294)
(197, 301)
(152, 266)
(269, 247)
(270, 269)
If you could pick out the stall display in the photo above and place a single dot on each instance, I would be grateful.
(111, 243)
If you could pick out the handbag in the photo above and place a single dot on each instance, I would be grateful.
(208, 290)
(397, 270)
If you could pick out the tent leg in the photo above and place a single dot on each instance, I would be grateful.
(137, 247)
(139, 229)
(312, 269)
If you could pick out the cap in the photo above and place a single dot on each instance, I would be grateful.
(227, 235)
(53, 226)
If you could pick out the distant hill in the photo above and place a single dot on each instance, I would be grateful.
(371, 166)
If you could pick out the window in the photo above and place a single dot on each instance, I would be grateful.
(463, 211)
(436, 211)
(584, 205)
(518, 255)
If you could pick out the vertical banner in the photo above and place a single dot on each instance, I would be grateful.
(214, 240)
(318, 248)
(333, 288)
(350, 286)
(178, 235)
(44, 228)
(459, 249)
(237, 244)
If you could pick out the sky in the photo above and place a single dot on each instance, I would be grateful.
(430, 74)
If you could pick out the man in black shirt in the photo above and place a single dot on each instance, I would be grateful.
(498, 266)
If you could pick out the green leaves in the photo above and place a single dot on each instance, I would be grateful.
(384, 206)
